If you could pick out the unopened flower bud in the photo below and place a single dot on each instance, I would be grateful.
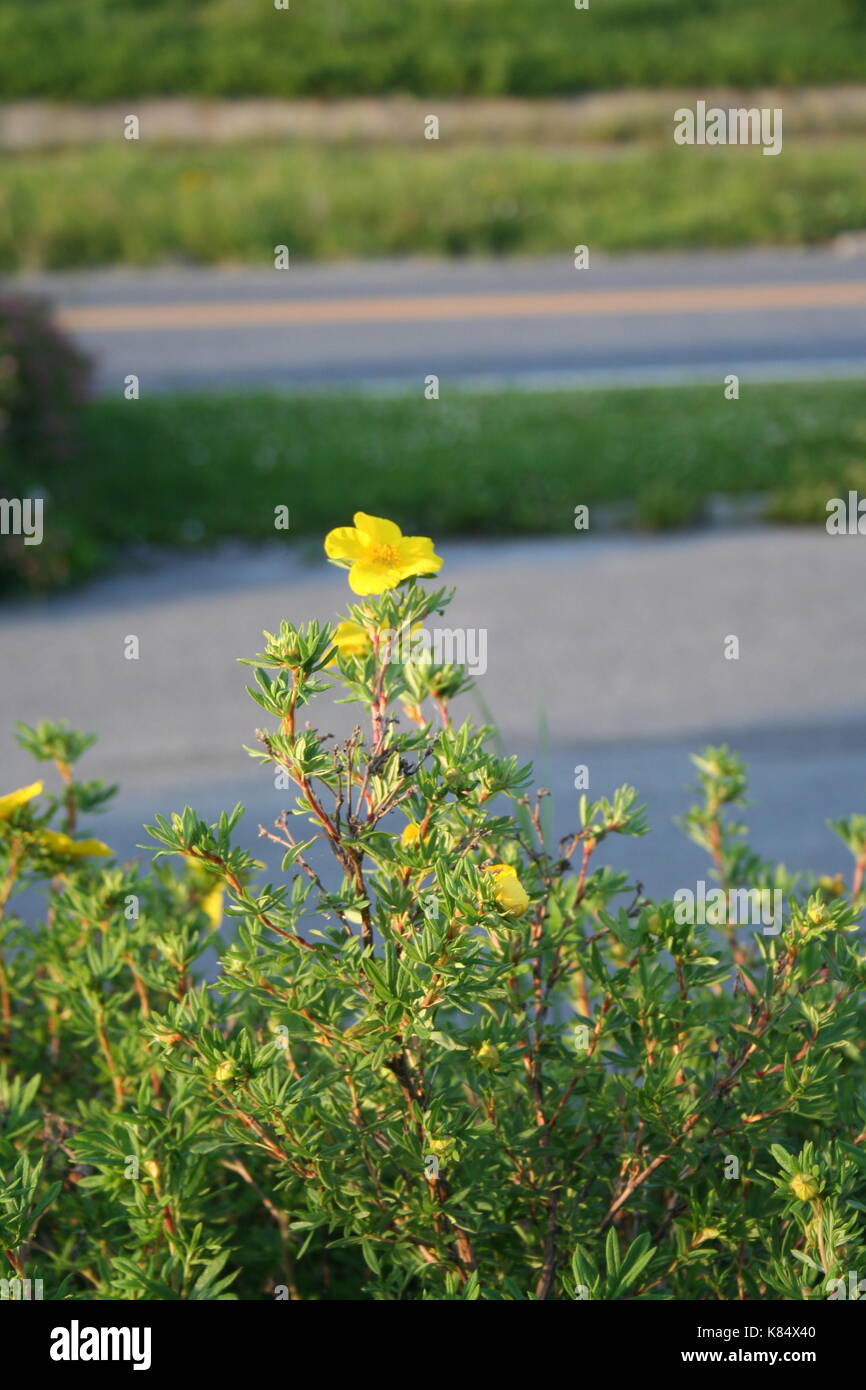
(443, 1148)
(804, 1186)
(834, 887)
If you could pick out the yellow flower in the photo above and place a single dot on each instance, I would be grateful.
(804, 1186)
(411, 834)
(350, 639)
(379, 556)
(12, 800)
(509, 892)
(68, 848)
(488, 1056)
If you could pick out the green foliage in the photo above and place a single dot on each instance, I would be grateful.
(437, 1060)
(120, 48)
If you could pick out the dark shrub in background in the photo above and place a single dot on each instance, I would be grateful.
(44, 385)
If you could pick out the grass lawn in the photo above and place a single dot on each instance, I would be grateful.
(120, 48)
(180, 471)
(136, 204)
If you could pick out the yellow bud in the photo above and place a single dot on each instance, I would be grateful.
(805, 1187)
(708, 1233)
(226, 1071)
(488, 1056)
(152, 1168)
(834, 887)
(64, 847)
(817, 915)
(445, 1147)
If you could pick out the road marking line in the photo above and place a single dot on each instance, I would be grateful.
(144, 318)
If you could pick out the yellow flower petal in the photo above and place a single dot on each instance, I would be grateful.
(508, 891)
(350, 639)
(368, 577)
(212, 904)
(418, 557)
(379, 531)
(64, 845)
(12, 800)
(411, 833)
(708, 1233)
(345, 543)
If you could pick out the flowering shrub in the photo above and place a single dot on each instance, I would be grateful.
(448, 1061)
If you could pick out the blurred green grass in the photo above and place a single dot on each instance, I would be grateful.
(189, 471)
(141, 205)
(96, 50)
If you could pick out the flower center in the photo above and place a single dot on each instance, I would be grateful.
(385, 554)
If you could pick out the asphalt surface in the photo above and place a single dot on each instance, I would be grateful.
(521, 323)
(603, 652)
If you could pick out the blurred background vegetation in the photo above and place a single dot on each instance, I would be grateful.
(96, 50)
(107, 205)
(512, 182)
(165, 474)
(552, 121)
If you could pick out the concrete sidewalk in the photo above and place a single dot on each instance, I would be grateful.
(604, 652)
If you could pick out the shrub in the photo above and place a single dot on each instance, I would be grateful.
(459, 1063)
(44, 383)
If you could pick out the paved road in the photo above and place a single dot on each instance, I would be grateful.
(606, 652)
(389, 325)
